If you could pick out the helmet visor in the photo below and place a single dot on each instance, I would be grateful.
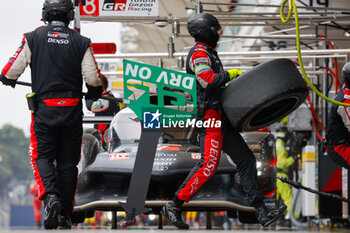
(219, 31)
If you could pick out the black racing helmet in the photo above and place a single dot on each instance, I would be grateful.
(58, 6)
(205, 28)
(346, 74)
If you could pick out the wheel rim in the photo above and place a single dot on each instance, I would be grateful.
(272, 112)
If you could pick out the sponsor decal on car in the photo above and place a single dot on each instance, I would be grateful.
(196, 155)
(160, 168)
(119, 156)
(161, 155)
(164, 160)
(162, 163)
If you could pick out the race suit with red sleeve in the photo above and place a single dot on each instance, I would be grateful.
(59, 57)
(211, 78)
(338, 130)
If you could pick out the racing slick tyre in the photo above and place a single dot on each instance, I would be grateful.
(264, 95)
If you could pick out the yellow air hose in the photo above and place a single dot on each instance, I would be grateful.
(292, 6)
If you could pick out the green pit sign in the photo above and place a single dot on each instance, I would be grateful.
(149, 89)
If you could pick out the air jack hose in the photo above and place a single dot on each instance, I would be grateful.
(298, 185)
(294, 220)
(293, 7)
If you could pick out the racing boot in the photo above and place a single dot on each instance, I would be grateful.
(52, 207)
(173, 214)
(64, 222)
(266, 215)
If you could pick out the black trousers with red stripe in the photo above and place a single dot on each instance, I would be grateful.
(56, 132)
(212, 140)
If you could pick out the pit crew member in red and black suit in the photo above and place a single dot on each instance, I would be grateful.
(204, 62)
(59, 57)
(338, 129)
(103, 107)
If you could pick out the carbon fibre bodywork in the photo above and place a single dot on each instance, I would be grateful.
(104, 174)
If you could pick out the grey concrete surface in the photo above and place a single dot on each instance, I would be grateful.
(174, 230)
(160, 231)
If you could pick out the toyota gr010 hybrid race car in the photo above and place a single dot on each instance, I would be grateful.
(105, 173)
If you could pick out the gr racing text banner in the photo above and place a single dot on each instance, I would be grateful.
(132, 8)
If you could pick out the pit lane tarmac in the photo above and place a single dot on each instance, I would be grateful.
(238, 229)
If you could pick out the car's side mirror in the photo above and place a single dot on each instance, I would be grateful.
(108, 135)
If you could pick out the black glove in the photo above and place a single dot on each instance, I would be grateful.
(7, 82)
(94, 93)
